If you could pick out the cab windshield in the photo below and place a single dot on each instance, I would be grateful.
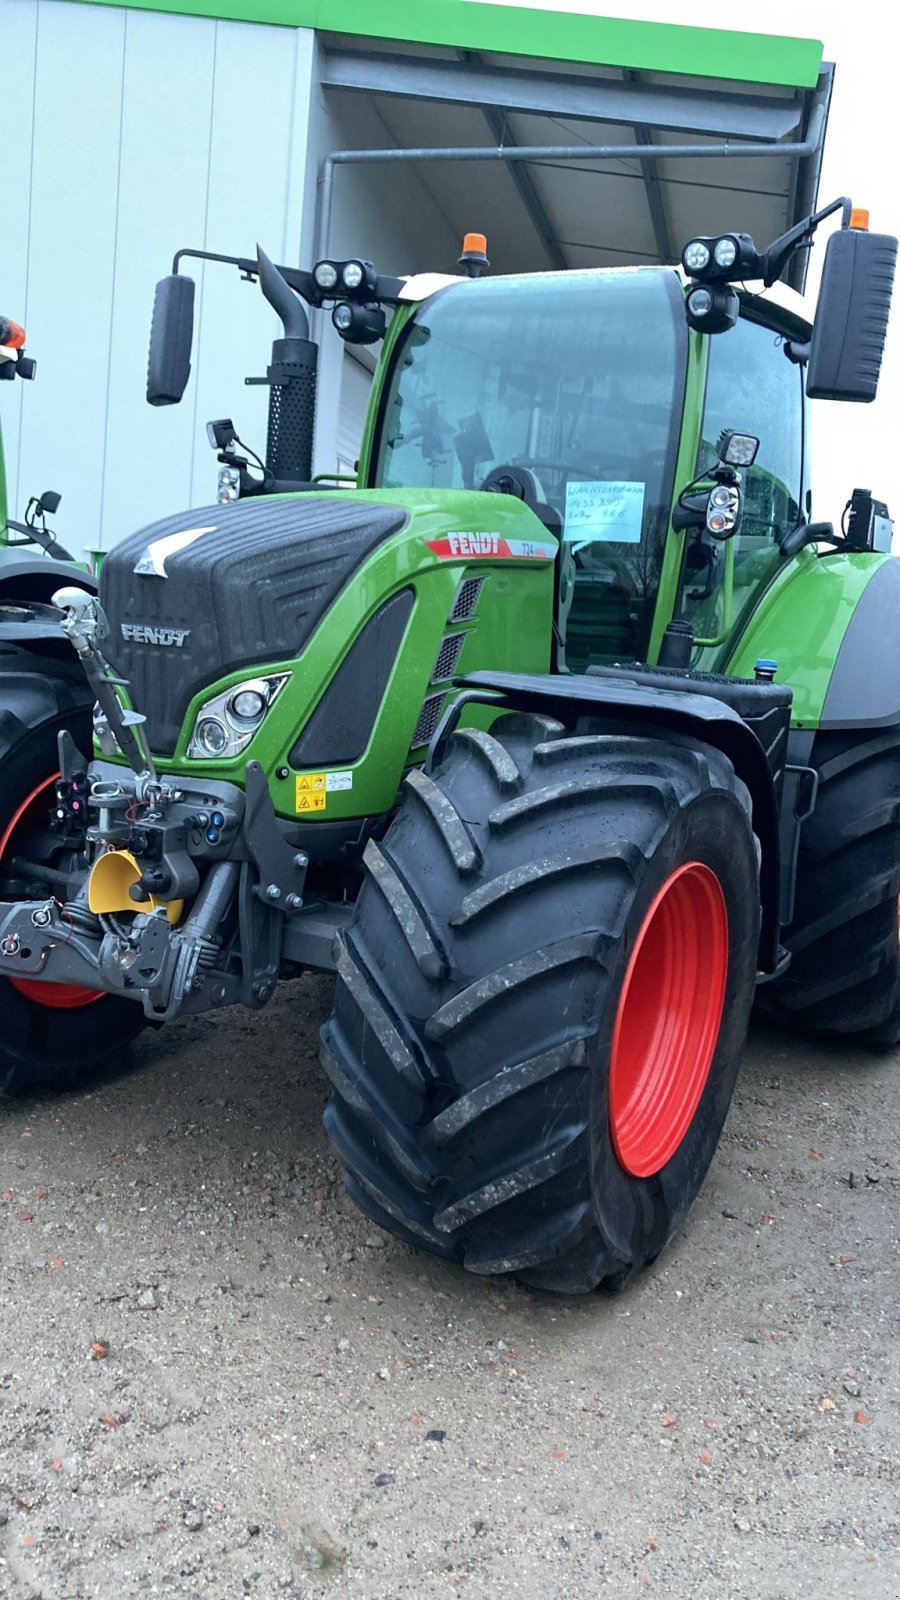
(577, 378)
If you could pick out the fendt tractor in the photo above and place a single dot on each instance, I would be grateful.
(560, 738)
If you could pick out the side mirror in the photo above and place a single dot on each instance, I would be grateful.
(171, 336)
(851, 316)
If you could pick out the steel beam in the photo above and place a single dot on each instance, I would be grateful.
(527, 191)
(792, 150)
(655, 202)
(806, 172)
(498, 125)
(721, 114)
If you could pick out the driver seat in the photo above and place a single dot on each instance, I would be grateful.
(524, 485)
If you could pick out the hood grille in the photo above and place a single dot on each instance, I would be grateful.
(247, 592)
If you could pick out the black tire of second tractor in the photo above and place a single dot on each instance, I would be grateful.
(844, 937)
(41, 1045)
(478, 988)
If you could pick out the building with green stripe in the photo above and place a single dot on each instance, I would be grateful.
(334, 126)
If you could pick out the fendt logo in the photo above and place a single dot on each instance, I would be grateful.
(452, 546)
(143, 633)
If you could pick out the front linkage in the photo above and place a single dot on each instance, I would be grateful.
(143, 842)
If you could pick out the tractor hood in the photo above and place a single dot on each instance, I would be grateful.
(224, 587)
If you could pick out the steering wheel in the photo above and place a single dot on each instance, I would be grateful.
(566, 468)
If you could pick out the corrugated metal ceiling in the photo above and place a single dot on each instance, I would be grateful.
(585, 212)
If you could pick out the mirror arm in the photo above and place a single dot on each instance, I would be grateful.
(796, 352)
(688, 516)
(807, 533)
(248, 268)
(776, 258)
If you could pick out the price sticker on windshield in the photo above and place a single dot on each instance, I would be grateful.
(612, 512)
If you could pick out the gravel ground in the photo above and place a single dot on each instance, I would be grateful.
(217, 1380)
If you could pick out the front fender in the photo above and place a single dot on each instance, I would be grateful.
(651, 707)
(26, 576)
(27, 585)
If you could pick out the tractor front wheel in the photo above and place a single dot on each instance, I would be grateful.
(542, 1000)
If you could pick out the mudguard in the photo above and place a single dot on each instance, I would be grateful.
(36, 577)
(700, 716)
(27, 585)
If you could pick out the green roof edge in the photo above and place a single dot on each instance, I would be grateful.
(518, 30)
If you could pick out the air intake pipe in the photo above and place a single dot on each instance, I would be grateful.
(292, 382)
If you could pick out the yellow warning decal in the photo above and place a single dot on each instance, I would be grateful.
(310, 802)
(313, 788)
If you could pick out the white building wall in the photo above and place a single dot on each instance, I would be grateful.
(125, 136)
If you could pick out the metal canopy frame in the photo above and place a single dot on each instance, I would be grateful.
(724, 122)
(722, 114)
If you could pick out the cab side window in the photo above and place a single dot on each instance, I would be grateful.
(753, 388)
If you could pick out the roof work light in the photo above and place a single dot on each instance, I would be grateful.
(347, 280)
(730, 257)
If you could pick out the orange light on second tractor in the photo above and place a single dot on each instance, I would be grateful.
(859, 217)
(12, 334)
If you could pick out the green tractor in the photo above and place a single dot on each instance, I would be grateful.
(28, 580)
(41, 679)
(560, 738)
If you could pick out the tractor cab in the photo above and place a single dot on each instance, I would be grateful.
(586, 395)
(562, 389)
(594, 398)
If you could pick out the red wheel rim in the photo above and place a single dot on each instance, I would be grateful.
(667, 1024)
(56, 996)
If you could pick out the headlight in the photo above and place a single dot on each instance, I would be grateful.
(226, 723)
(721, 496)
(700, 302)
(696, 256)
(229, 486)
(325, 275)
(726, 252)
(211, 737)
(723, 510)
(249, 705)
(353, 274)
(737, 449)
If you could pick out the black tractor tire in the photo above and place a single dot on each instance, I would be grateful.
(844, 937)
(473, 1040)
(42, 1044)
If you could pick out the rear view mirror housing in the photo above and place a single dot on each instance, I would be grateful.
(171, 336)
(851, 316)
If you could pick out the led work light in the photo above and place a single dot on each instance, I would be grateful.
(353, 280)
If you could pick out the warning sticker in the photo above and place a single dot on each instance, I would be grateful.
(313, 788)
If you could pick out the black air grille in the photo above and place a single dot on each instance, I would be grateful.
(341, 725)
(447, 657)
(429, 717)
(466, 599)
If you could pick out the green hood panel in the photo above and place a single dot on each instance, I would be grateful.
(802, 623)
(451, 537)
